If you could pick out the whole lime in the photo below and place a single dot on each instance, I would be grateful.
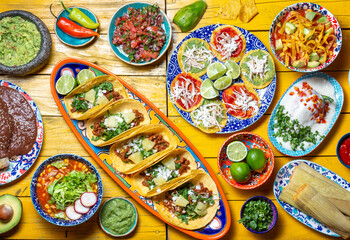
(256, 159)
(240, 172)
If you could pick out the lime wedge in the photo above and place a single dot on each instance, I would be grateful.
(65, 84)
(236, 151)
(233, 69)
(207, 90)
(216, 70)
(85, 75)
(223, 83)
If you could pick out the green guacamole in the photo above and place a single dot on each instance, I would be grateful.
(20, 41)
(117, 216)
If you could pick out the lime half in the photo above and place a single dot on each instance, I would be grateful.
(65, 84)
(233, 69)
(207, 90)
(236, 151)
(216, 70)
(223, 83)
(85, 75)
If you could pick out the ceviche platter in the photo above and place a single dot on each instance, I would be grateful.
(219, 75)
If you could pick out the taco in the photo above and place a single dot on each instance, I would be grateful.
(194, 56)
(227, 42)
(138, 151)
(211, 116)
(185, 92)
(89, 98)
(122, 118)
(241, 101)
(191, 205)
(175, 166)
(257, 68)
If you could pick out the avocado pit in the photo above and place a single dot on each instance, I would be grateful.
(6, 212)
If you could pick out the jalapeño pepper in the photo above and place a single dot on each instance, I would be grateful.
(78, 16)
(188, 17)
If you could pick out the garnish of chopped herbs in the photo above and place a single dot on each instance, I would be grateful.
(257, 215)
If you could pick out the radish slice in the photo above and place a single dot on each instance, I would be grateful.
(72, 214)
(88, 199)
(79, 208)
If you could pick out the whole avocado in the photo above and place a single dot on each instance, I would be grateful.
(188, 17)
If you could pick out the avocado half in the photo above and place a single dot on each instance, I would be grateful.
(16, 206)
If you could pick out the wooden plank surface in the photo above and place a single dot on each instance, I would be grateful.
(151, 81)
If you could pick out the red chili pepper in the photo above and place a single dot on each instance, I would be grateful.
(74, 29)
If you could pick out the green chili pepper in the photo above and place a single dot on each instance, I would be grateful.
(188, 17)
(78, 16)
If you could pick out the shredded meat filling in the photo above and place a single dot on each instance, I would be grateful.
(122, 154)
(160, 143)
(184, 165)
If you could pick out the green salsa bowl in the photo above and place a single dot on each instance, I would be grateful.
(118, 217)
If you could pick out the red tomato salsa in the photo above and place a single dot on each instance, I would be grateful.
(344, 151)
(185, 91)
(140, 34)
(230, 31)
(57, 173)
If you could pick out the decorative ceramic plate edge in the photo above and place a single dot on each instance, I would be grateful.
(110, 171)
(282, 179)
(23, 163)
(340, 100)
(252, 43)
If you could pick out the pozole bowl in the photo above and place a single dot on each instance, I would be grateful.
(118, 50)
(250, 140)
(273, 209)
(36, 180)
(342, 139)
(44, 52)
(316, 8)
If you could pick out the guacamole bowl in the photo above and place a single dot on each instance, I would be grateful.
(118, 217)
(34, 58)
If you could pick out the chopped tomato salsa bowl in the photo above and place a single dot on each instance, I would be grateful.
(305, 37)
(139, 33)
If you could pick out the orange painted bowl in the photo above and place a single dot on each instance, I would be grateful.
(250, 140)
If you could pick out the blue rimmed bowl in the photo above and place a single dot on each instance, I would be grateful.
(118, 51)
(73, 41)
(105, 229)
(342, 139)
(316, 8)
(62, 222)
(273, 209)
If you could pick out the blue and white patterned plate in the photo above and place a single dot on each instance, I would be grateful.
(21, 163)
(339, 95)
(57, 221)
(282, 179)
(266, 94)
(317, 8)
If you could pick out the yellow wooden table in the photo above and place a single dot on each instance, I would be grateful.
(151, 81)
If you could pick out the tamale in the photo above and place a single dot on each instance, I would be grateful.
(302, 174)
(319, 207)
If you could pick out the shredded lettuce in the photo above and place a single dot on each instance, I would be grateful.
(65, 190)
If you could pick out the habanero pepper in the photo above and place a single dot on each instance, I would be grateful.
(75, 30)
(78, 16)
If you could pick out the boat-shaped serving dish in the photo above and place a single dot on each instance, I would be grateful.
(220, 224)
(282, 179)
(339, 98)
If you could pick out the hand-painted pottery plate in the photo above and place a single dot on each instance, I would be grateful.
(73, 41)
(250, 140)
(21, 163)
(220, 224)
(316, 8)
(58, 221)
(339, 97)
(282, 179)
(266, 94)
(118, 50)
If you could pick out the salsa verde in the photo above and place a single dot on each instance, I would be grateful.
(20, 41)
(117, 216)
